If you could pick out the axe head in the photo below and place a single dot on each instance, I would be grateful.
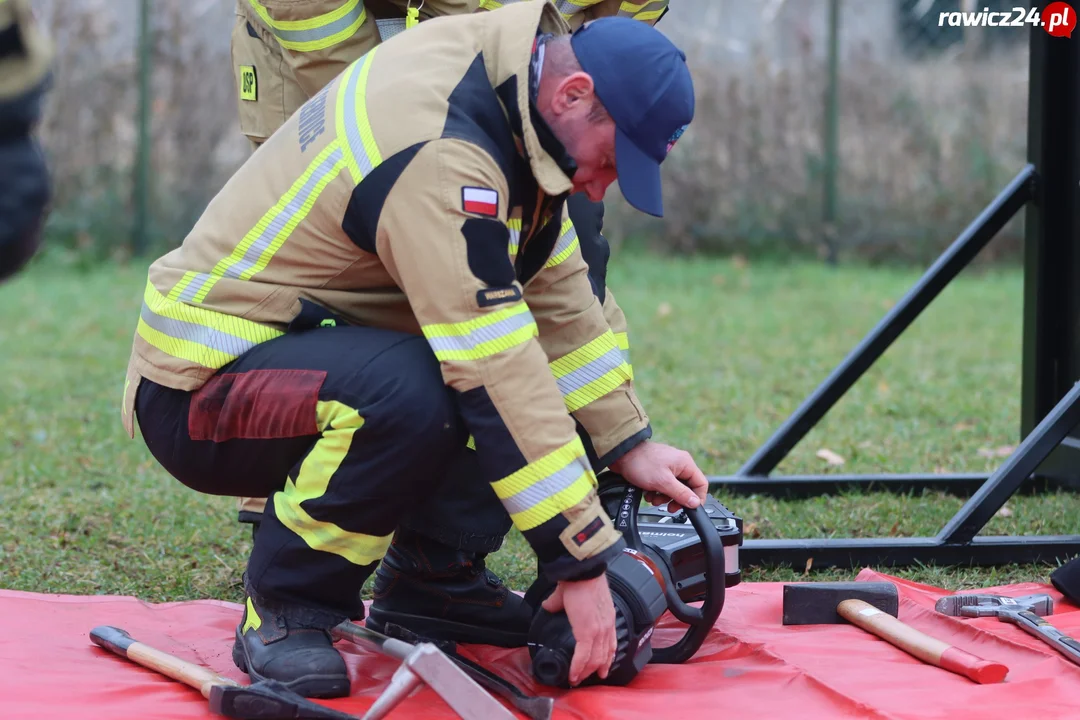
(814, 603)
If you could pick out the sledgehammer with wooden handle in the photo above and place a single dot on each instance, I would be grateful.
(264, 700)
(874, 608)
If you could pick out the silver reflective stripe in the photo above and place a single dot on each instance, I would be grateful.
(275, 226)
(389, 27)
(567, 7)
(189, 293)
(352, 124)
(565, 240)
(625, 356)
(515, 240)
(545, 487)
(594, 370)
(482, 335)
(323, 31)
(255, 250)
(193, 332)
(646, 7)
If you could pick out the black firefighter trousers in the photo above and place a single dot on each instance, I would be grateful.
(350, 433)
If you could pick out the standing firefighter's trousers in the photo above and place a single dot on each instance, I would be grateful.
(345, 430)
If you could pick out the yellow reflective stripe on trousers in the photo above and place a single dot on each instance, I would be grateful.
(623, 340)
(644, 11)
(353, 128)
(337, 423)
(549, 486)
(317, 33)
(201, 336)
(590, 372)
(483, 336)
(564, 246)
(255, 251)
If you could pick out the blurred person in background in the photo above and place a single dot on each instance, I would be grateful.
(25, 60)
(434, 579)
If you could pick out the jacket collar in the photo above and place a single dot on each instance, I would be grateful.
(509, 41)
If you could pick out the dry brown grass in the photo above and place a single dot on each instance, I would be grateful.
(923, 145)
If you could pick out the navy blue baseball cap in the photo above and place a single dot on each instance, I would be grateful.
(643, 82)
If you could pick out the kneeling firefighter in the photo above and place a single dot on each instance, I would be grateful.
(433, 580)
(391, 275)
(25, 60)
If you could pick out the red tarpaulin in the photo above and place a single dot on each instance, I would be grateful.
(751, 666)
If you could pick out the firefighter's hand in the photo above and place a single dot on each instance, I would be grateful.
(666, 474)
(591, 613)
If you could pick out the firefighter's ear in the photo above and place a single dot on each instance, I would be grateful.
(574, 94)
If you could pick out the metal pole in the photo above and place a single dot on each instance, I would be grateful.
(948, 265)
(141, 189)
(1051, 342)
(831, 139)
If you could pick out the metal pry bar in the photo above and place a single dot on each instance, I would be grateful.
(424, 663)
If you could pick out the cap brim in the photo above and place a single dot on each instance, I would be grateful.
(639, 176)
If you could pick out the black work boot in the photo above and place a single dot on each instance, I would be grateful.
(302, 658)
(441, 593)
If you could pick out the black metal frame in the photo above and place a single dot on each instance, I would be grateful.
(1048, 189)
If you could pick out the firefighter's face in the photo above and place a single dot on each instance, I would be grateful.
(582, 125)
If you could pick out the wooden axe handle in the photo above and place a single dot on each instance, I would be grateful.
(119, 642)
(928, 649)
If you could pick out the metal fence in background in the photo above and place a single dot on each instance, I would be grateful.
(827, 127)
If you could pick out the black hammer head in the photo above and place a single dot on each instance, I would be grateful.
(268, 700)
(814, 603)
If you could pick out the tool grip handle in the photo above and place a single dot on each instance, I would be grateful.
(928, 649)
(120, 642)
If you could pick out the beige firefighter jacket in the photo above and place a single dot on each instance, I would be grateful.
(417, 192)
(277, 69)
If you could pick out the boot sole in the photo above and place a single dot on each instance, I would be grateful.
(437, 629)
(309, 686)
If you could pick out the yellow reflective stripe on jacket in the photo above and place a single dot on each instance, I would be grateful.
(623, 341)
(565, 245)
(514, 225)
(353, 128)
(337, 423)
(255, 251)
(317, 33)
(483, 336)
(201, 336)
(590, 372)
(644, 11)
(547, 487)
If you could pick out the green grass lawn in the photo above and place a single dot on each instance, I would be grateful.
(723, 352)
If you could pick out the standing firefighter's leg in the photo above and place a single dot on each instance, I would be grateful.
(363, 423)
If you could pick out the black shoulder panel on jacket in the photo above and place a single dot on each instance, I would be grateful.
(487, 240)
(362, 214)
(475, 115)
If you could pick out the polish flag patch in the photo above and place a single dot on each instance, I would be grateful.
(481, 201)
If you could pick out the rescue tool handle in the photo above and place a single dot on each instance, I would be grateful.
(919, 645)
(120, 642)
(701, 619)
